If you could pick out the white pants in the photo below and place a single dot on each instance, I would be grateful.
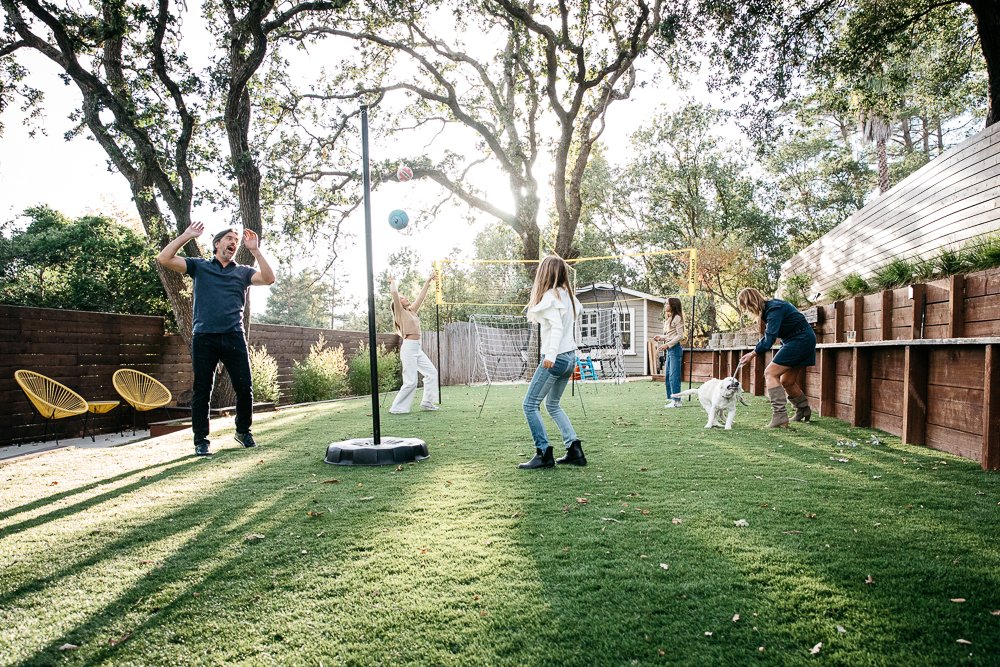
(414, 361)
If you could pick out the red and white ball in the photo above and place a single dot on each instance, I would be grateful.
(404, 173)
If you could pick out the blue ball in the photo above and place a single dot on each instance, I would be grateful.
(398, 219)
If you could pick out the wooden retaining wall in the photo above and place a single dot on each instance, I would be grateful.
(952, 199)
(82, 350)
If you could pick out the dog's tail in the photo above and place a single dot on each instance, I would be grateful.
(689, 392)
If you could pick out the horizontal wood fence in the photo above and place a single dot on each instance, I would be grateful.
(949, 201)
(962, 306)
(82, 350)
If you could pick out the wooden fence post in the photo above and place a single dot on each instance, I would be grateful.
(886, 321)
(758, 376)
(915, 395)
(827, 382)
(918, 299)
(956, 306)
(861, 387)
(991, 409)
(838, 321)
(859, 319)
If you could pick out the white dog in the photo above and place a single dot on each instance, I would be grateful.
(719, 398)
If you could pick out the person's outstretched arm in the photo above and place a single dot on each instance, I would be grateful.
(394, 294)
(168, 256)
(415, 306)
(265, 274)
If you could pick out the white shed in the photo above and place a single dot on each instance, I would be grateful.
(642, 318)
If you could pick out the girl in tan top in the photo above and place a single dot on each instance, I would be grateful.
(673, 334)
(404, 314)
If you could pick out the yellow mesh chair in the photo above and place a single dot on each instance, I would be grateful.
(143, 392)
(51, 399)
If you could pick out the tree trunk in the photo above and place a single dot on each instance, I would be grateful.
(988, 26)
(927, 136)
(904, 123)
(883, 166)
(940, 137)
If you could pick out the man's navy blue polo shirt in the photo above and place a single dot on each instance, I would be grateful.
(220, 294)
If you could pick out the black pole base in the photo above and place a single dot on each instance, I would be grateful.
(364, 451)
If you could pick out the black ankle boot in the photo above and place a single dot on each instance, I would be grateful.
(574, 455)
(541, 460)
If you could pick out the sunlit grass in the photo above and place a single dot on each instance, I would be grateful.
(139, 555)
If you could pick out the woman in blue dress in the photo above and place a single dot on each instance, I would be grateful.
(798, 349)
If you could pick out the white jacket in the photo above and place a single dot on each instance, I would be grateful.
(554, 312)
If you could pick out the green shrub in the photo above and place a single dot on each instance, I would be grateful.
(950, 262)
(264, 375)
(853, 284)
(984, 254)
(322, 376)
(836, 293)
(895, 274)
(797, 289)
(359, 373)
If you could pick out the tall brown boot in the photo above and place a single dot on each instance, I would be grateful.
(802, 410)
(779, 416)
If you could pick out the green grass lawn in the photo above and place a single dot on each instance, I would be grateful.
(885, 554)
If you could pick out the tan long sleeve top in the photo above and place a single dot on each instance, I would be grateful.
(673, 331)
(406, 320)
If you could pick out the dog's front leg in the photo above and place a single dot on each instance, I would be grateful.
(730, 418)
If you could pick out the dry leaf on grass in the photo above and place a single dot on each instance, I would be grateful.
(315, 515)
(676, 521)
(958, 599)
(254, 537)
(736, 617)
(664, 566)
(869, 580)
(741, 523)
(582, 501)
(964, 641)
(995, 612)
(115, 641)
(816, 649)
(331, 481)
(841, 630)
(708, 634)
(68, 647)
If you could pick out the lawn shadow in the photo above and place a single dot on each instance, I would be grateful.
(47, 500)
(92, 501)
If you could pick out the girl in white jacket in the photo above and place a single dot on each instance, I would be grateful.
(554, 307)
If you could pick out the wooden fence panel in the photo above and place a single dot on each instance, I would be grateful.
(83, 349)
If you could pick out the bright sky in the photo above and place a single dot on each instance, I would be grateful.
(73, 178)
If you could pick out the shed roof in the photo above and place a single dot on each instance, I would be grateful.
(624, 290)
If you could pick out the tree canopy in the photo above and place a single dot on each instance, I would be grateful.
(88, 263)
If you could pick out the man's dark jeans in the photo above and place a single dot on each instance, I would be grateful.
(207, 350)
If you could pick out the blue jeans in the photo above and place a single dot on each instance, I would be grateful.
(207, 350)
(549, 384)
(672, 370)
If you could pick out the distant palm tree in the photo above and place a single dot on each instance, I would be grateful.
(877, 128)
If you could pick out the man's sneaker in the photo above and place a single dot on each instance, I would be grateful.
(399, 412)
(429, 406)
(201, 448)
(245, 439)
